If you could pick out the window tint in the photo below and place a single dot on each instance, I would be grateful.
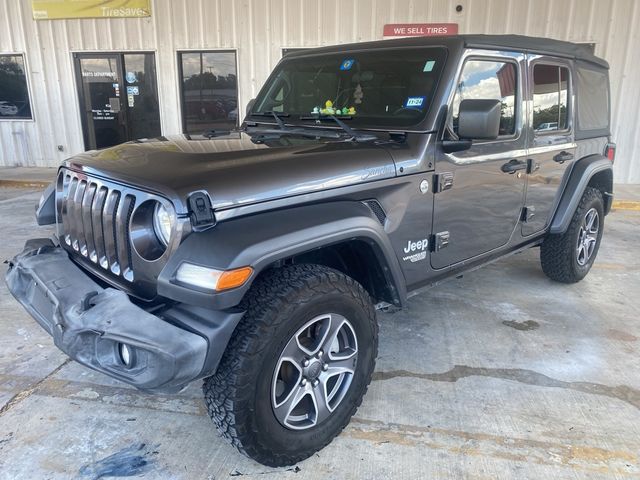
(209, 87)
(484, 79)
(143, 109)
(593, 99)
(383, 88)
(550, 84)
(14, 94)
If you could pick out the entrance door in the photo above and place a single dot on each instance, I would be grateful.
(481, 190)
(118, 98)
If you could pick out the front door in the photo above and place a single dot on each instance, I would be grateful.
(551, 149)
(481, 192)
(118, 98)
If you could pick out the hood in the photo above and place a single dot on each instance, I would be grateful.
(234, 170)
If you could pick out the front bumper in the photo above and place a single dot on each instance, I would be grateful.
(88, 323)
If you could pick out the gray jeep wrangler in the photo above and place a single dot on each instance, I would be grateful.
(256, 259)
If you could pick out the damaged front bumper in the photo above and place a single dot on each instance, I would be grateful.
(164, 350)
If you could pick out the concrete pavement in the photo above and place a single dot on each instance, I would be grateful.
(500, 374)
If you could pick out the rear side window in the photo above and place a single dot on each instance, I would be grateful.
(592, 99)
(488, 79)
(550, 98)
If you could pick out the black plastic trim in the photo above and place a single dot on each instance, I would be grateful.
(89, 323)
(46, 209)
(581, 174)
(261, 240)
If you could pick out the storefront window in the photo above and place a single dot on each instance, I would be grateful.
(14, 93)
(209, 89)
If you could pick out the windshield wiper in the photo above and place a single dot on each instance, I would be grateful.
(277, 116)
(272, 133)
(270, 113)
(262, 134)
(355, 136)
(279, 121)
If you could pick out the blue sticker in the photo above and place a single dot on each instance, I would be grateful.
(428, 67)
(347, 64)
(131, 77)
(414, 102)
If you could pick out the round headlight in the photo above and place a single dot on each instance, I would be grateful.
(162, 224)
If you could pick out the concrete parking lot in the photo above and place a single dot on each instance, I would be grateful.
(500, 374)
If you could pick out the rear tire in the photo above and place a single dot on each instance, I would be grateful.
(568, 257)
(299, 319)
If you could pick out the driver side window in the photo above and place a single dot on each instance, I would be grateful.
(489, 79)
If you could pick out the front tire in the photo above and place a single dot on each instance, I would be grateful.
(569, 256)
(297, 366)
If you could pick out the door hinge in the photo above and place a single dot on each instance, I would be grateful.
(442, 181)
(528, 213)
(439, 241)
(200, 211)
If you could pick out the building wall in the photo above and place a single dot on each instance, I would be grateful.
(259, 29)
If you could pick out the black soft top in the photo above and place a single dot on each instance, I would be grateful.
(534, 45)
(519, 43)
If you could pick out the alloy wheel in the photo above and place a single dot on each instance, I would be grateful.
(588, 237)
(314, 371)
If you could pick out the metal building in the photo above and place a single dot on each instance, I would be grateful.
(228, 47)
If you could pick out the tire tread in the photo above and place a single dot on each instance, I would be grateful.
(557, 251)
(229, 392)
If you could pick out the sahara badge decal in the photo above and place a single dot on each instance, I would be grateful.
(420, 248)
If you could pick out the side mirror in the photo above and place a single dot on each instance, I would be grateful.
(249, 107)
(479, 119)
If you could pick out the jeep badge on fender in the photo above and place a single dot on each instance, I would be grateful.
(256, 260)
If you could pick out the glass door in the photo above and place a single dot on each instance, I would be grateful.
(118, 98)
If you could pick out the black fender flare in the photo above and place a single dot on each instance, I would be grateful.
(582, 173)
(261, 240)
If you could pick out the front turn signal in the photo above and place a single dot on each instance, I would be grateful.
(233, 278)
(210, 278)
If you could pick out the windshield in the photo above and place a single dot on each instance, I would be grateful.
(377, 88)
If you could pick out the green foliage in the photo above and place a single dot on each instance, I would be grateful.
(549, 115)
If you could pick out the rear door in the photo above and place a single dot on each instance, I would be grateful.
(551, 146)
(479, 195)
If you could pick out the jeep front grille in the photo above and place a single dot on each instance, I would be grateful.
(93, 220)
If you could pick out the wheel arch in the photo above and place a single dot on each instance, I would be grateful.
(361, 258)
(343, 235)
(591, 171)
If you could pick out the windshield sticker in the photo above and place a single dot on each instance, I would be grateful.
(347, 64)
(414, 102)
(428, 67)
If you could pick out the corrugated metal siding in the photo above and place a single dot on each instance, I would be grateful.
(259, 29)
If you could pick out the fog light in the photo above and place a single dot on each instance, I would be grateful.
(125, 354)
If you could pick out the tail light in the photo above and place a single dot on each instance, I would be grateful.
(610, 151)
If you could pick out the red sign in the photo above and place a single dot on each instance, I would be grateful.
(420, 29)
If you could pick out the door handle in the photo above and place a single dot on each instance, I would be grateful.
(563, 157)
(512, 166)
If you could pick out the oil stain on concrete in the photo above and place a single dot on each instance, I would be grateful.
(525, 326)
(528, 377)
(128, 462)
